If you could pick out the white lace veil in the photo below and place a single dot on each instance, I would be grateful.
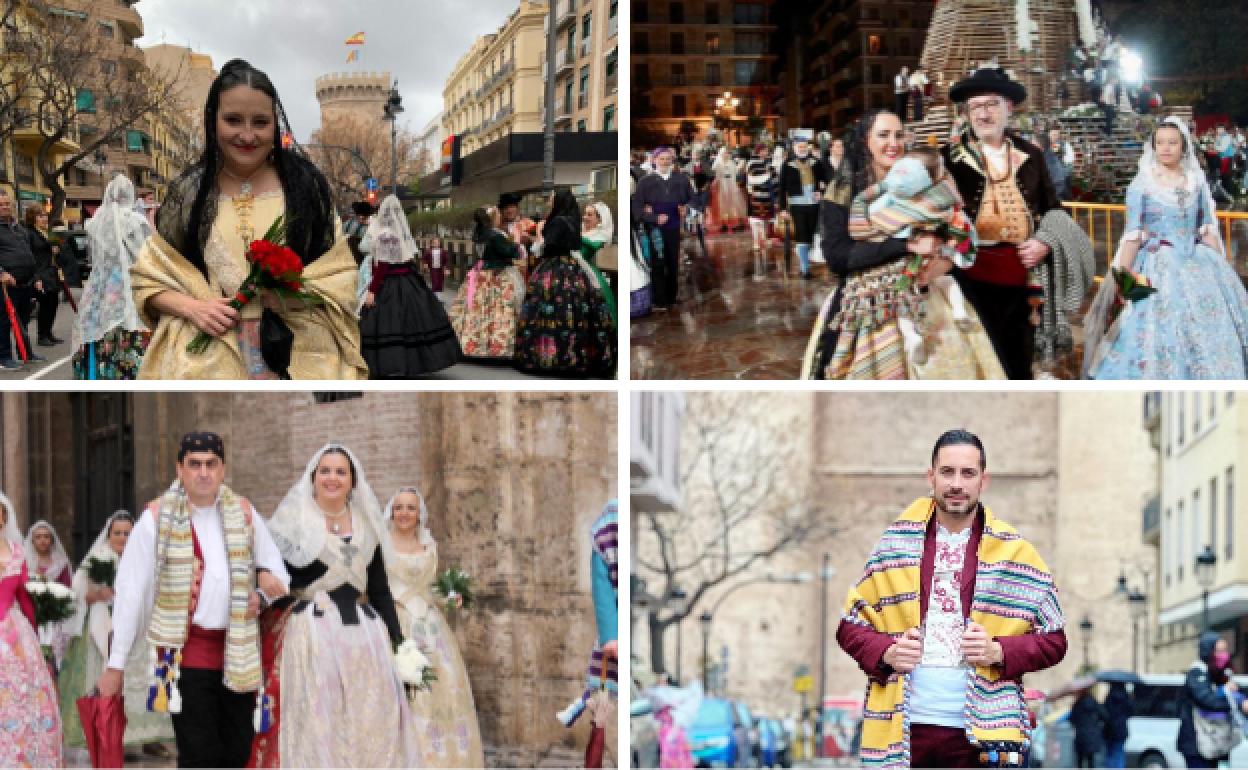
(114, 237)
(606, 225)
(298, 524)
(388, 235)
(59, 558)
(426, 537)
(101, 550)
(11, 531)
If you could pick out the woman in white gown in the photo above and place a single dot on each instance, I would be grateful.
(445, 715)
(328, 648)
(92, 628)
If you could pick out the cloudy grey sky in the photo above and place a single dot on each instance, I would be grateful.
(296, 41)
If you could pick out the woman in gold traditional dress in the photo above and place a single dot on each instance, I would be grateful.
(188, 272)
(445, 715)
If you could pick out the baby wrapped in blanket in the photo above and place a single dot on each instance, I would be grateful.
(918, 197)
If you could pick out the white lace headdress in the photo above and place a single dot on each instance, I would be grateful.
(1193, 172)
(115, 235)
(388, 236)
(606, 225)
(298, 524)
(11, 531)
(59, 558)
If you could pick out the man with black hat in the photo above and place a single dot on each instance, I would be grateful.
(803, 178)
(197, 569)
(1005, 184)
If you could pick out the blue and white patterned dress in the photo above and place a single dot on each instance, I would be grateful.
(1195, 327)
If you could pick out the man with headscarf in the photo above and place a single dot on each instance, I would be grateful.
(953, 608)
(803, 178)
(197, 569)
(664, 197)
(1005, 184)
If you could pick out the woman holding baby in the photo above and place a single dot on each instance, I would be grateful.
(892, 240)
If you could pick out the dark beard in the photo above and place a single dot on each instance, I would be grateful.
(940, 503)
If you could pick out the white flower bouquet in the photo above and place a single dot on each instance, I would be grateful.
(53, 601)
(413, 667)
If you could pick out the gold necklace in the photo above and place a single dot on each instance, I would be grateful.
(335, 526)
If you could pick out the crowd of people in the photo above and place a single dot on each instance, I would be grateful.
(959, 263)
(361, 305)
(239, 637)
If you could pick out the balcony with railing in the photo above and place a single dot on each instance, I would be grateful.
(563, 111)
(565, 12)
(564, 61)
(497, 118)
(129, 20)
(496, 78)
(584, 48)
(613, 82)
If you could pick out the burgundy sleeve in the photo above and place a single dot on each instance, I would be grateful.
(379, 277)
(66, 579)
(867, 647)
(1031, 652)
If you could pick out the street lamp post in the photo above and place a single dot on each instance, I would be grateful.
(1085, 626)
(1206, 566)
(678, 594)
(824, 576)
(394, 106)
(1137, 602)
(705, 619)
(727, 104)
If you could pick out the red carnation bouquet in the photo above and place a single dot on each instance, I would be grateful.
(274, 267)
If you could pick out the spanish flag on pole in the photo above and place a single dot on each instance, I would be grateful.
(354, 55)
(356, 39)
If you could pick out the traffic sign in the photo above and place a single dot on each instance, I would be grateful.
(803, 684)
(370, 184)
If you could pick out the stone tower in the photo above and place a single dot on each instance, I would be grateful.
(359, 94)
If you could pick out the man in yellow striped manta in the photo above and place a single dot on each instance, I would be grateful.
(953, 608)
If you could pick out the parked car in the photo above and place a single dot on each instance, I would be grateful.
(713, 736)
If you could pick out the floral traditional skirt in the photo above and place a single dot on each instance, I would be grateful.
(116, 356)
(484, 312)
(565, 324)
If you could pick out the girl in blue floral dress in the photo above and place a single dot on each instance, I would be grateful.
(1195, 326)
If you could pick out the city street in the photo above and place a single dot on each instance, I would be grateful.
(754, 325)
(59, 365)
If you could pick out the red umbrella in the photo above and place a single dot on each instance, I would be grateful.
(104, 726)
(19, 329)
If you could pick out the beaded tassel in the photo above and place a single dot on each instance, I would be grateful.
(262, 718)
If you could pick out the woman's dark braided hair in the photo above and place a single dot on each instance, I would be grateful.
(856, 153)
(309, 217)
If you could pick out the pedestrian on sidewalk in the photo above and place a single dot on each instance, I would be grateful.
(18, 273)
(1208, 695)
(943, 652)
(47, 285)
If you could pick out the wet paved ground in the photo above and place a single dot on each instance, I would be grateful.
(753, 326)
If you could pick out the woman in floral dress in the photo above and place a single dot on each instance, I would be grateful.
(487, 303)
(30, 726)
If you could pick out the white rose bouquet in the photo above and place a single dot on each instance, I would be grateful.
(53, 601)
(413, 667)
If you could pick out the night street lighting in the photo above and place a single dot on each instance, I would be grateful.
(1206, 566)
